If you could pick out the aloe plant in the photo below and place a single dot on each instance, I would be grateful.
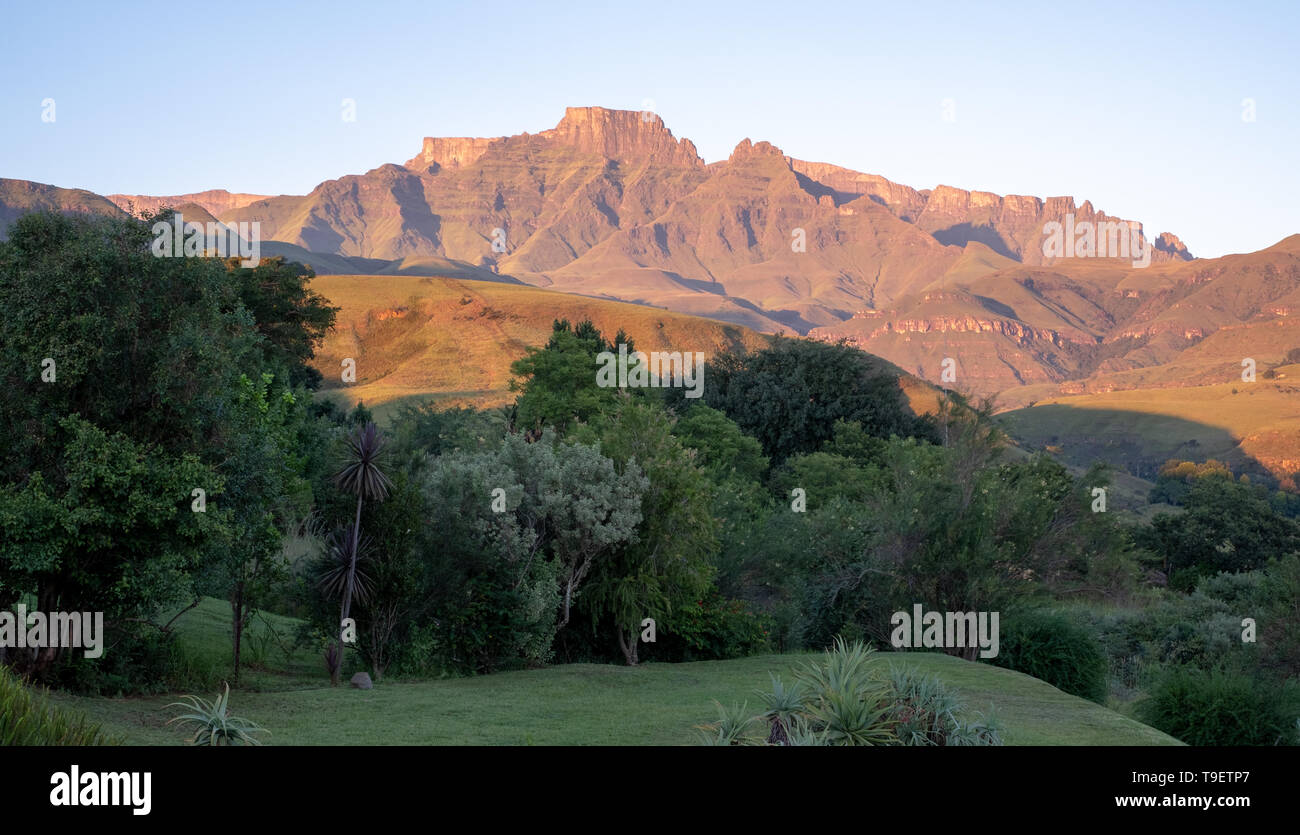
(731, 728)
(784, 705)
(215, 724)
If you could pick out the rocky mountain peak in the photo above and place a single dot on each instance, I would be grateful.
(753, 149)
(1169, 242)
(622, 134)
(450, 152)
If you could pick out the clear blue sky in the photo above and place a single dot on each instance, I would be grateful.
(1137, 107)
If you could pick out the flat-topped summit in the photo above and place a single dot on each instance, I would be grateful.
(616, 134)
(622, 134)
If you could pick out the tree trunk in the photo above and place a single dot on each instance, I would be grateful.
(347, 593)
(629, 647)
(237, 610)
(41, 661)
(568, 596)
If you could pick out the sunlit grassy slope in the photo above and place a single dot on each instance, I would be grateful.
(452, 341)
(1237, 422)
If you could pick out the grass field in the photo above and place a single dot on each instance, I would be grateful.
(573, 704)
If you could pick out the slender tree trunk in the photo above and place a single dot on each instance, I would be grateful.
(347, 592)
(629, 647)
(568, 596)
(237, 610)
(41, 661)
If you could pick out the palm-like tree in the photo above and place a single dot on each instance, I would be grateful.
(362, 476)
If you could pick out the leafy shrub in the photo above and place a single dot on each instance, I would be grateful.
(1280, 630)
(140, 664)
(1244, 588)
(215, 725)
(1053, 648)
(1218, 707)
(27, 719)
(715, 628)
(1200, 629)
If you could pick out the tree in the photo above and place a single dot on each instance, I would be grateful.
(577, 502)
(721, 447)
(120, 369)
(512, 535)
(393, 570)
(557, 384)
(266, 490)
(363, 477)
(1226, 526)
(292, 318)
(668, 564)
(790, 394)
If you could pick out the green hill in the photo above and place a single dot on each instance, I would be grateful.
(571, 704)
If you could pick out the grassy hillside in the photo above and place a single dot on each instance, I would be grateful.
(453, 341)
(1249, 425)
(572, 704)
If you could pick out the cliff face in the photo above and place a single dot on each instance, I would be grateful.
(450, 152)
(846, 185)
(1010, 225)
(616, 134)
(1013, 225)
(214, 201)
(622, 135)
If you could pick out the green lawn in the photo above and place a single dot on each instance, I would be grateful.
(573, 704)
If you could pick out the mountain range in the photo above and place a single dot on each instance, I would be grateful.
(610, 204)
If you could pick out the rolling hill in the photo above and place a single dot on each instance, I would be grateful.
(452, 340)
(568, 704)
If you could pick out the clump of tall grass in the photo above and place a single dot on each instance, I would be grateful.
(28, 719)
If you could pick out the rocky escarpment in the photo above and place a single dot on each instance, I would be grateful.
(616, 134)
(1015, 225)
(450, 152)
(214, 201)
(622, 134)
(1018, 332)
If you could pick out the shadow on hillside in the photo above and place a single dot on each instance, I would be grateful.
(964, 233)
(1137, 443)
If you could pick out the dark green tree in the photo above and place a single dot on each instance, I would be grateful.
(557, 384)
(789, 395)
(120, 372)
(669, 563)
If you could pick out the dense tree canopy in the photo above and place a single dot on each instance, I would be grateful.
(790, 395)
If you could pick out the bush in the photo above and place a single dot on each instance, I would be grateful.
(26, 719)
(1053, 648)
(1217, 707)
(713, 629)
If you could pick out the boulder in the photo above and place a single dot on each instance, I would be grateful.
(362, 681)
